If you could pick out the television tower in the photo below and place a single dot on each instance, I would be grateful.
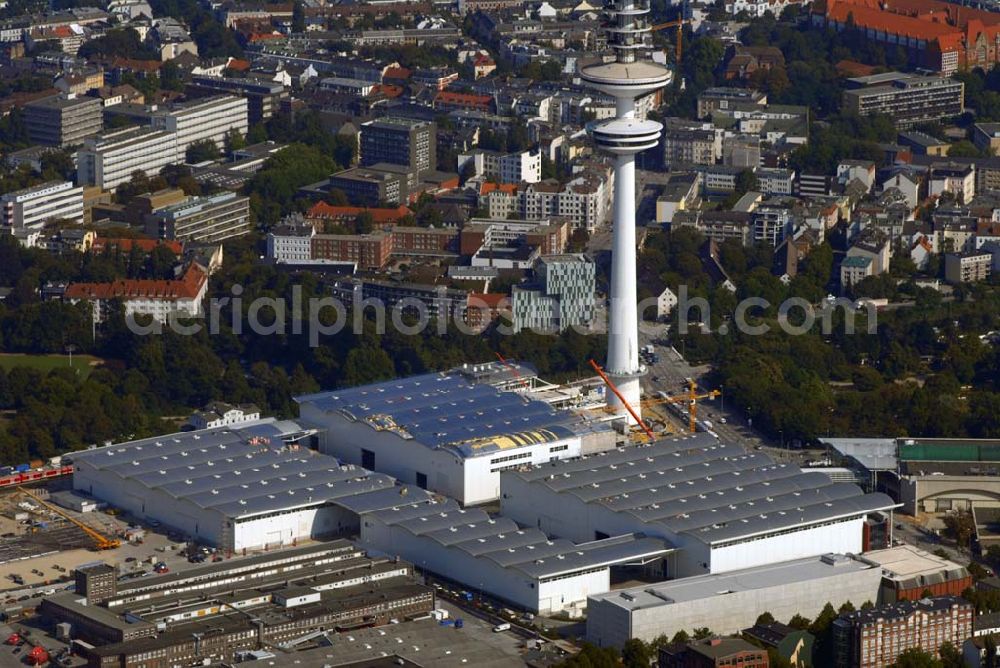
(628, 77)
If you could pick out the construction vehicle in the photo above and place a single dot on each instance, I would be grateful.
(101, 542)
(691, 398)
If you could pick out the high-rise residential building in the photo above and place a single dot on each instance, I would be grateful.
(202, 219)
(63, 120)
(908, 99)
(874, 638)
(263, 97)
(209, 118)
(561, 296)
(110, 158)
(399, 141)
(969, 267)
(38, 204)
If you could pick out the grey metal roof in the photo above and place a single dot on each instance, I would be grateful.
(875, 454)
(240, 470)
(442, 410)
(701, 487)
(723, 584)
(500, 540)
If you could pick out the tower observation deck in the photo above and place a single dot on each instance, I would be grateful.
(628, 77)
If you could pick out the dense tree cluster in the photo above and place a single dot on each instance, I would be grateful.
(924, 371)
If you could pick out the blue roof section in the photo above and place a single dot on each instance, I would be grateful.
(442, 410)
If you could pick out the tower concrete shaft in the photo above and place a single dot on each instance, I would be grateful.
(627, 78)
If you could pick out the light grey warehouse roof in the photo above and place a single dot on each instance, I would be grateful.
(724, 584)
(239, 471)
(701, 487)
(501, 541)
(449, 410)
(875, 454)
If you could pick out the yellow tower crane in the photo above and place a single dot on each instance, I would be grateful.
(692, 396)
(679, 47)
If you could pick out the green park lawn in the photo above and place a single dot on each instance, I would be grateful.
(84, 364)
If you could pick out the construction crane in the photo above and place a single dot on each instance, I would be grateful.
(611, 386)
(679, 48)
(101, 542)
(691, 397)
(513, 369)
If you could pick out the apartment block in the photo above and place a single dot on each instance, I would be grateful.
(370, 251)
(107, 160)
(970, 267)
(691, 142)
(291, 241)
(958, 180)
(399, 141)
(369, 187)
(875, 638)
(908, 99)
(855, 269)
(726, 98)
(63, 120)
(36, 205)
(159, 299)
(585, 200)
(524, 166)
(202, 219)
(263, 97)
(210, 118)
(561, 296)
(550, 237)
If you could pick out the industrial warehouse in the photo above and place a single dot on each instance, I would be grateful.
(238, 487)
(723, 508)
(733, 600)
(520, 565)
(452, 433)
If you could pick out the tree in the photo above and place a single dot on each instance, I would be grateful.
(765, 618)
(746, 181)
(799, 622)
(636, 654)
(234, 141)
(298, 17)
(961, 527)
(990, 650)
(702, 633)
(202, 151)
(364, 222)
(977, 571)
(951, 657)
(916, 658)
(964, 149)
(680, 638)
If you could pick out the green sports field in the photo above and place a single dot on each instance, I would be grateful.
(84, 364)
